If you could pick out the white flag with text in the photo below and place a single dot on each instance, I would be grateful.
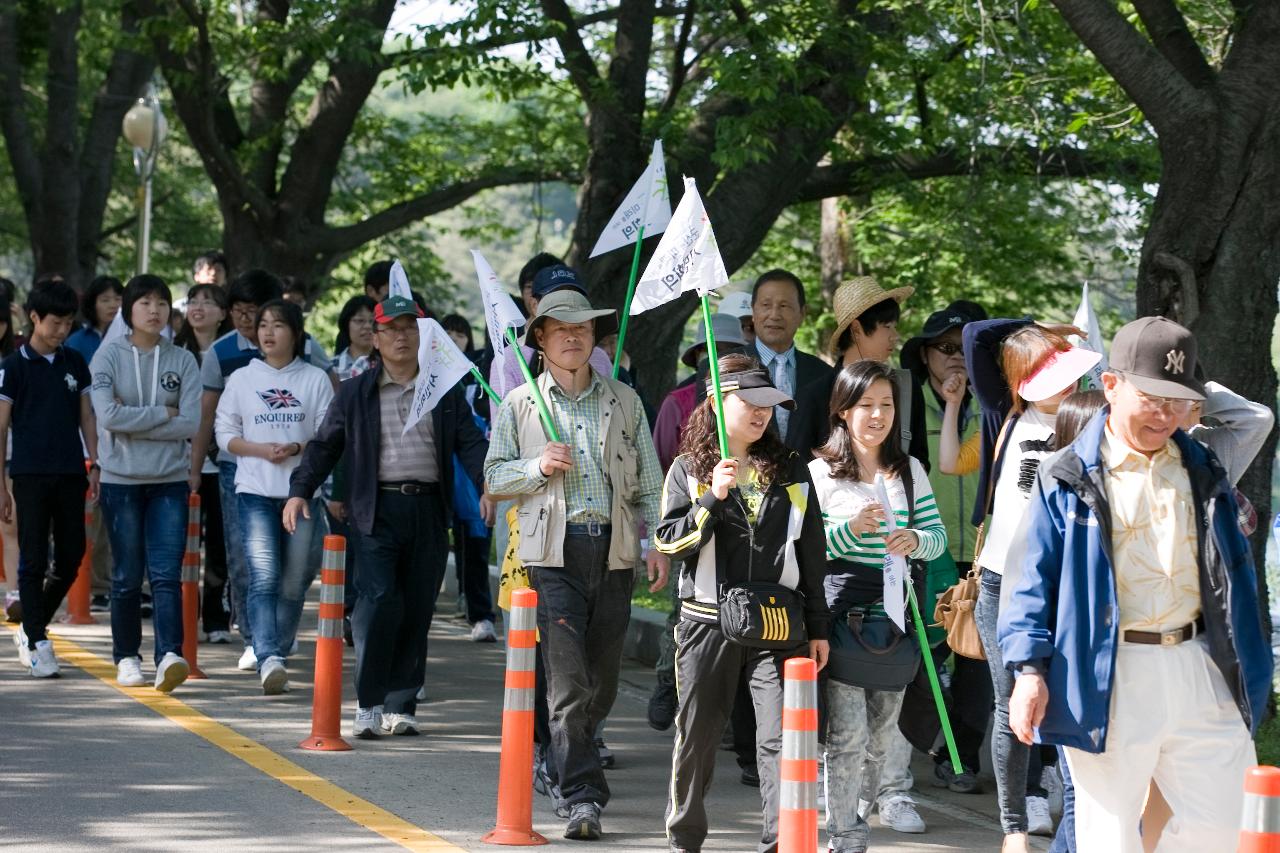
(895, 568)
(399, 282)
(648, 204)
(441, 365)
(500, 311)
(1087, 321)
(687, 257)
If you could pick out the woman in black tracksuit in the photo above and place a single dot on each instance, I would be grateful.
(750, 517)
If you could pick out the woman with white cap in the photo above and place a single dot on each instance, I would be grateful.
(1020, 372)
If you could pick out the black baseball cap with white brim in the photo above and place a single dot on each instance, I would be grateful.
(755, 387)
(1158, 357)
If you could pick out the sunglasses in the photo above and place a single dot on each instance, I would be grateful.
(947, 348)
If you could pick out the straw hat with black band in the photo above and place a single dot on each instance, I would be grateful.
(854, 297)
(570, 306)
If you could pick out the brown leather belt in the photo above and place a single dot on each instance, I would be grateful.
(1167, 638)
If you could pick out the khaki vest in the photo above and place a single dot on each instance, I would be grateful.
(542, 515)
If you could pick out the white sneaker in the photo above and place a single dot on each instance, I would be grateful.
(248, 661)
(171, 672)
(219, 638)
(24, 649)
(43, 663)
(399, 724)
(275, 678)
(482, 632)
(129, 673)
(368, 723)
(1051, 781)
(899, 814)
(1039, 821)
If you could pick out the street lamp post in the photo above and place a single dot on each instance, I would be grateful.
(145, 128)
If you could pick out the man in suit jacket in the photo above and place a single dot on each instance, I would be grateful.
(777, 307)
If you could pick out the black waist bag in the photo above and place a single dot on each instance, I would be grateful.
(762, 615)
(872, 653)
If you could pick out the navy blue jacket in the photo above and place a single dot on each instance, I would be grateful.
(1062, 612)
(982, 342)
(351, 431)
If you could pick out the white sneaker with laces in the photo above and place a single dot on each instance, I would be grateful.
(1039, 821)
(129, 673)
(248, 661)
(368, 723)
(219, 638)
(23, 647)
(275, 678)
(482, 632)
(43, 663)
(899, 814)
(171, 672)
(399, 724)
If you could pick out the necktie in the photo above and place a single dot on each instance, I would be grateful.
(781, 379)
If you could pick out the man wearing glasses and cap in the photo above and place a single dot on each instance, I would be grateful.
(1134, 630)
(580, 503)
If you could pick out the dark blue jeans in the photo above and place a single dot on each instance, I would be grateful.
(281, 569)
(147, 526)
(237, 568)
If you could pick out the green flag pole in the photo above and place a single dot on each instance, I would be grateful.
(956, 766)
(543, 412)
(626, 307)
(715, 377)
(493, 395)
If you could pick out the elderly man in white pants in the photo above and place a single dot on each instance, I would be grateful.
(1134, 630)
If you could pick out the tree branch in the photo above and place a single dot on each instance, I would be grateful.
(1165, 97)
(1169, 33)
(577, 60)
(349, 237)
(874, 173)
(269, 95)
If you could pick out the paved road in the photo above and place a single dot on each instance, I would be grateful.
(87, 767)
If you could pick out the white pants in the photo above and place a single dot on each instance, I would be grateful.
(1172, 720)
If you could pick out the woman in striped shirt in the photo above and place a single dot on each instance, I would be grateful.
(860, 722)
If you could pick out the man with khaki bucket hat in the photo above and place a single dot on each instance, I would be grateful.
(580, 500)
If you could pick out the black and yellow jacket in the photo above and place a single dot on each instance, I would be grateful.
(717, 545)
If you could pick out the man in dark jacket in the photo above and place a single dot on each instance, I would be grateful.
(1134, 628)
(400, 493)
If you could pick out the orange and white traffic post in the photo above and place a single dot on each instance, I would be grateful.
(798, 767)
(81, 593)
(326, 698)
(515, 773)
(191, 587)
(1260, 823)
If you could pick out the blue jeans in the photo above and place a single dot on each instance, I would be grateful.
(237, 573)
(1064, 840)
(147, 526)
(281, 569)
(861, 727)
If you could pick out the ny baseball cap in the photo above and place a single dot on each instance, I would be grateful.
(1158, 357)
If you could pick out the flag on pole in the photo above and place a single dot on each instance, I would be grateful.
(441, 365)
(687, 257)
(500, 311)
(895, 568)
(647, 206)
(399, 282)
(1087, 321)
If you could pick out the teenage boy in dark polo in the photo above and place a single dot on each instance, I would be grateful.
(400, 488)
(580, 503)
(44, 394)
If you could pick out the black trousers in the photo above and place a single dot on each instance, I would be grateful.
(583, 610)
(709, 670)
(213, 605)
(401, 565)
(47, 505)
(471, 562)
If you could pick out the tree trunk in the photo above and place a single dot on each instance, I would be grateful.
(831, 247)
(1211, 260)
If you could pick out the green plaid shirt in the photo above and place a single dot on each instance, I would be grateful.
(587, 494)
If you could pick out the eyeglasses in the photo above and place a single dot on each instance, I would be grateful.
(245, 312)
(1172, 405)
(947, 348)
(201, 303)
(392, 332)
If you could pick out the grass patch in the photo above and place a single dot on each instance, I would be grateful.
(1268, 741)
(660, 600)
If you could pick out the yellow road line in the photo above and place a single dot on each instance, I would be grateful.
(353, 808)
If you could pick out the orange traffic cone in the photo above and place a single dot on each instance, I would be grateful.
(81, 592)
(515, 773)
(326, 698)
(1260, 823)
(798, 766)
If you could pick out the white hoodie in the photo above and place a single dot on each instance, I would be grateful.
(269, 406)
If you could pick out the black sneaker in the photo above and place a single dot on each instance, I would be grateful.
(606, 755)
(144, 609)
(99, 604)
(662, 707)
(963, 782)
(751, 777)
(584, 822)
